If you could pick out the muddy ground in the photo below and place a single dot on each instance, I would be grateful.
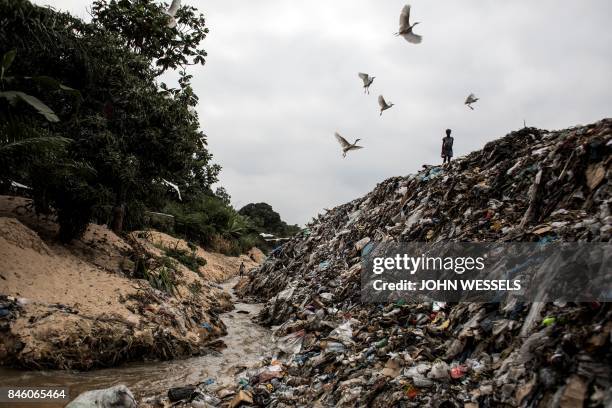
(82, 306)
(244, 345)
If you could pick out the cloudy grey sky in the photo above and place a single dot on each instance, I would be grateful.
(281, 77)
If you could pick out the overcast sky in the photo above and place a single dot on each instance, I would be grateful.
(281, 77)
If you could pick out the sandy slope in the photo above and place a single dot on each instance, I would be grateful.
(74, 306)
(218, 267)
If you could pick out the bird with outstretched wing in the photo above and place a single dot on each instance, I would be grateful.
(405, 28)
(367, 81)
(346, 146)
(470, 100)
(383, 104)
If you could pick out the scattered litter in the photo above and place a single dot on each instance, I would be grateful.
(340, 352)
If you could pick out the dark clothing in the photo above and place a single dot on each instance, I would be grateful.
(241, 270)
(447, 149)
(447, 146)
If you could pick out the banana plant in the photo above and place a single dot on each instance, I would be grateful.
(14, 134)
(14, 97)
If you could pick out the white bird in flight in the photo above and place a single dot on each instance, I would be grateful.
(405, 28)
(176, 4)
(367, 81)
(346, 146)
(383, 104)
(174, 186)
(470, 100)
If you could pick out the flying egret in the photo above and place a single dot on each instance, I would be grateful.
(383, 104)
(174, 186)
(405, 28)
(346, 146)
(470, 100)
(172, 12)
(367, 81)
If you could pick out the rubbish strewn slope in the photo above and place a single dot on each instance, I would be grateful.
(532, 185)
(80, 305)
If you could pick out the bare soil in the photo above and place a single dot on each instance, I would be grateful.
(78, 305)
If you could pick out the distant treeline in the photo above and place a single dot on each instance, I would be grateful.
(87, 125)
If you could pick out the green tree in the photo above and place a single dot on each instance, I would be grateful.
(30, 150)
(223, 195)
(131, 131)
(16, 133)
(266, 220)
(143, 27)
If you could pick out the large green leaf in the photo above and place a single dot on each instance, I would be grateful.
(54, 84)
(7, 60)
(46, 111)
(45, 142)
(51, 83)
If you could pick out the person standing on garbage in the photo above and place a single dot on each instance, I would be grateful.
(241, 270)
(447, 147)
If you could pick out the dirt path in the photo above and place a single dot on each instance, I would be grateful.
(245, 341)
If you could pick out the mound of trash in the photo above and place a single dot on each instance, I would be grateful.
(103, 300)
(529, 186)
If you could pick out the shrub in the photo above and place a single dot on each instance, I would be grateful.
(190, 260)
(163, 276)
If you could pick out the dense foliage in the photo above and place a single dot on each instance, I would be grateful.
(144, 30)
(209, 221)
(89, 128)
(131, 132)
(268, 221)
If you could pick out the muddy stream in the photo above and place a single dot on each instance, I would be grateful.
(246, 342)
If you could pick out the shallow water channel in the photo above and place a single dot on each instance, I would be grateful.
(246, 342)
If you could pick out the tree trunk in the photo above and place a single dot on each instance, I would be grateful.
(118, 216)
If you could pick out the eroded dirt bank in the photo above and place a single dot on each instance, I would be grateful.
(84, 306)
(244, 343)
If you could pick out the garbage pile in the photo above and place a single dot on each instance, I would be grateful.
(530, 186)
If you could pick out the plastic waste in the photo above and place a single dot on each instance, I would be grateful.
(458, 371)
(292, 343)
(180, 393)
(439, 371)
(333, 347)
(343, 333)
(455, 354)
(117, 396)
